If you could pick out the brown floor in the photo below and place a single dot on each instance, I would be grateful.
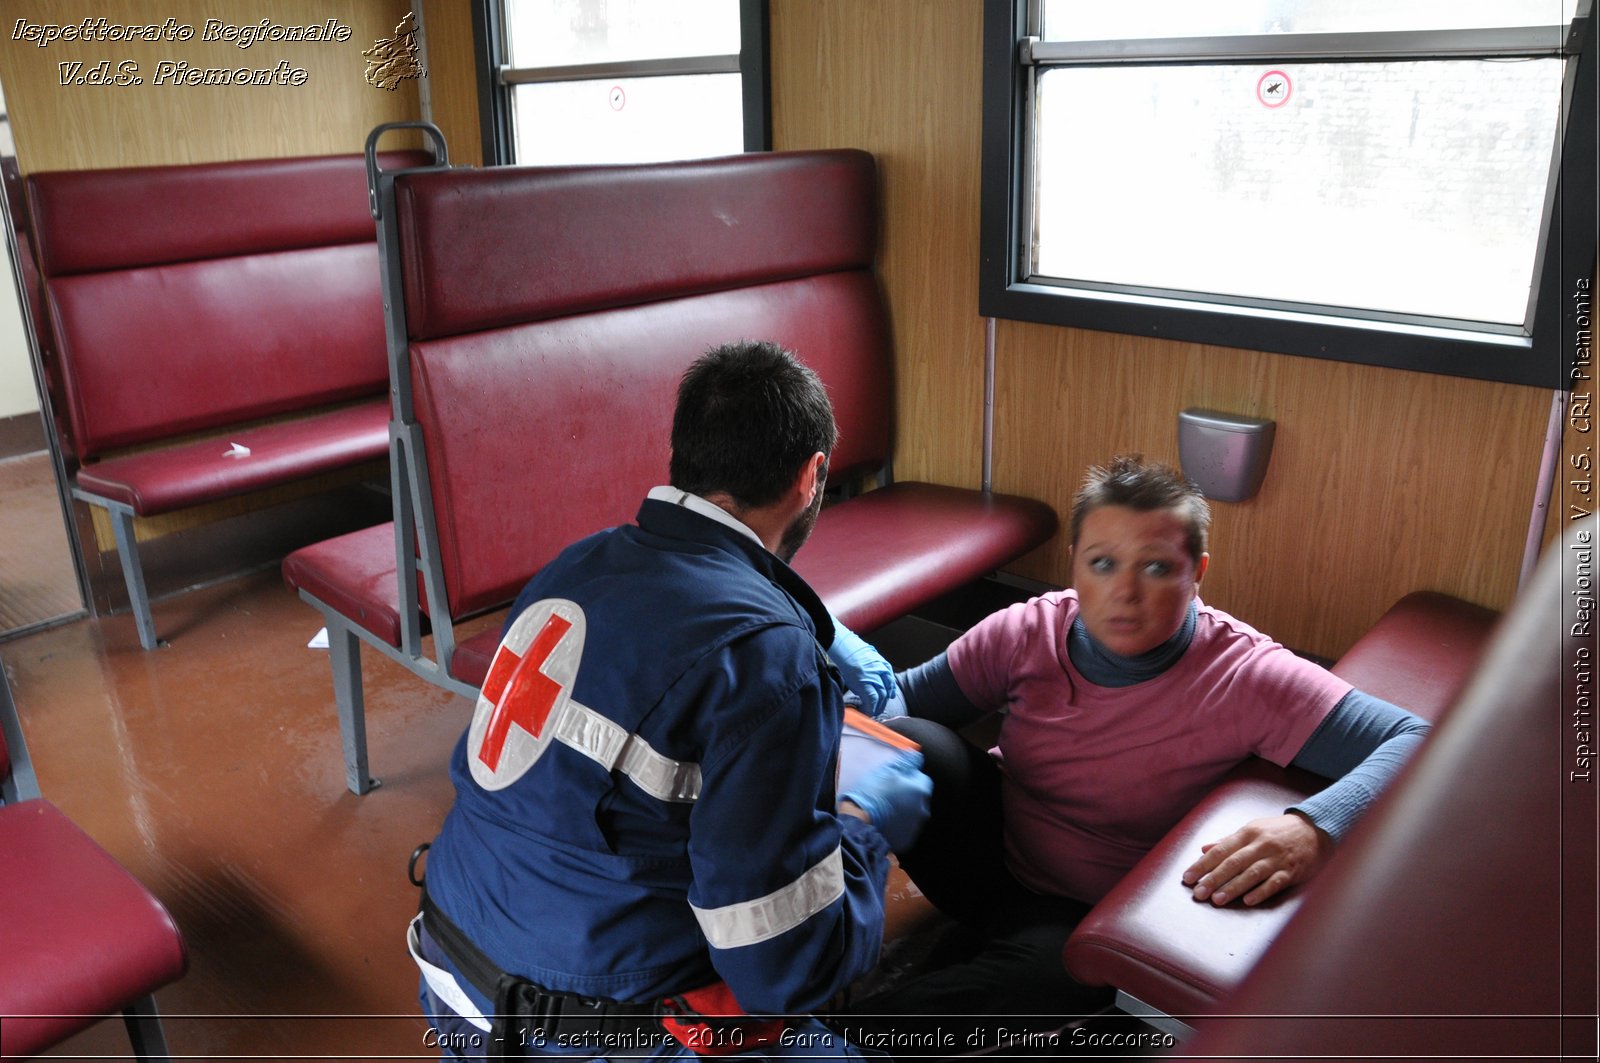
(37, 581)
(211, 768)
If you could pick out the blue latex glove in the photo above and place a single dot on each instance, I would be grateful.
(896, 799)
(895, 706)
(866, 674)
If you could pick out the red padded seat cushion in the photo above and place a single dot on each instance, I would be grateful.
(473, 655)
(1151, 938)
(158, 481)
(83, 939)
(881, 555)
(621, 235)
(1420, 653)
(354, 574)
(151, 353)
(515, 420)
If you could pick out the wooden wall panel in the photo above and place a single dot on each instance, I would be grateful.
(901, 79)
(1383, 481)
(85, 127)
(453, 78)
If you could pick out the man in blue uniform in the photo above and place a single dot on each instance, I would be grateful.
(645, 858)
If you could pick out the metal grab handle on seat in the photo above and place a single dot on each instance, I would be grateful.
(441, 155)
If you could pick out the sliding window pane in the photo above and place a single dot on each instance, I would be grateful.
(561, 32)
(1411, 188)
(1096, 20)
(628, 119)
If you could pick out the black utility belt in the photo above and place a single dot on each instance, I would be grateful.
(563, 1018)
(707, 1021)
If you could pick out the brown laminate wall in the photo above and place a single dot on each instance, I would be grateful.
(72, 126)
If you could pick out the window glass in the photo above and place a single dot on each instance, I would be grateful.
(629, 119)
(1096, 20)
(618, 81)
(1363, 180)
(1415, 188)
(563, 32)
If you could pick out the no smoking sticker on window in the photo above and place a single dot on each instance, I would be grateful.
(1273, 89)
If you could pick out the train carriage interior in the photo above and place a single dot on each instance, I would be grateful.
(335, 321)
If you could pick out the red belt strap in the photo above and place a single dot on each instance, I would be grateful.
(709, 1022)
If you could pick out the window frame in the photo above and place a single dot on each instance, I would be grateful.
(1543, 356)
(496, 80)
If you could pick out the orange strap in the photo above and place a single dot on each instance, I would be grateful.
(873, 729)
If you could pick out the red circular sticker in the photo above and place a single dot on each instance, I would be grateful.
(1274, 88)
(618, 99)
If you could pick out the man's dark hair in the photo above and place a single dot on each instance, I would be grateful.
(749, 415)
(1128, 481)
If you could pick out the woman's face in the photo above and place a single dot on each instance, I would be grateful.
(1134, 577)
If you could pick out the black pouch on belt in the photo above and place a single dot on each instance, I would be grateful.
(525, 1013)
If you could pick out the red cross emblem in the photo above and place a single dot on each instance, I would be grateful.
(536, 664)
(521, 693)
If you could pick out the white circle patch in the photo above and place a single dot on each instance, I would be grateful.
(529, 685)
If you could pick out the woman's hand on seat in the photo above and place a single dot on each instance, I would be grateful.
(1259, 860)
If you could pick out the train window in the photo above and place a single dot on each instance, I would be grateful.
(1391, 184)
(608, 81)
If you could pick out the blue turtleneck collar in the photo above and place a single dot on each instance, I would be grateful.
(1103, 668)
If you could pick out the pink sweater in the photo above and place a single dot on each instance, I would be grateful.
(1094, 776)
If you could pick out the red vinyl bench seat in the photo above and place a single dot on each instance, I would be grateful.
(151, 482)
(548, 316)
(883, 554)
(353, 575)
(1458, 919)
(84, 939)
(186, 309)
(940, 535)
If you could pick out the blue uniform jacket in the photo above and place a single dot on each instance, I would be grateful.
(705, 645)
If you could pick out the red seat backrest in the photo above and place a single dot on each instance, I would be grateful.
(183, 298)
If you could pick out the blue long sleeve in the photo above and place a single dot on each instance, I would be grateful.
(1362, 744)
(931, 692)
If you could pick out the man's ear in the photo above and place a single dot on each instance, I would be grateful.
(812, 477)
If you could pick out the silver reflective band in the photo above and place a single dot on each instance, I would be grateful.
(614, 749)
(751, 922)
